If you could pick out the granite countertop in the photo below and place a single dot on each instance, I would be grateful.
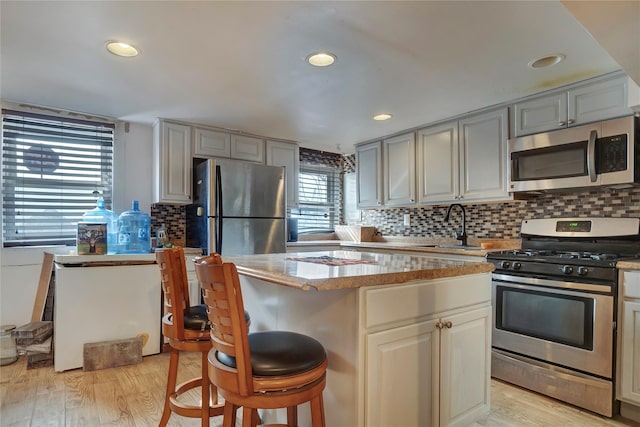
(629, 264)
(115, 259)
(428, 246)
(358, 269)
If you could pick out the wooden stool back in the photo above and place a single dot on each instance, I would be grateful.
(303, 375)
(186, 327)
(229, 330)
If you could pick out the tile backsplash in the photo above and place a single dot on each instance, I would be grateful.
(502, 220)
(174, 219)
(488, 220)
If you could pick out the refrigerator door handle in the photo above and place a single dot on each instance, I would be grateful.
(218, 210)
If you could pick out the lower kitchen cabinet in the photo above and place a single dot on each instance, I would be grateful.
(393, 359)
(434, 372)
(629, 338)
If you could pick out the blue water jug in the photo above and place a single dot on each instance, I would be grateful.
(105, 216)
(134, 229)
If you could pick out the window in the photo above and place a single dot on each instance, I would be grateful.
(319, 199)
(52, 172)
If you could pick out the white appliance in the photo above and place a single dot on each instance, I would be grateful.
(101, 298)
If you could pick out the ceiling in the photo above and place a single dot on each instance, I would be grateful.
(241, 65)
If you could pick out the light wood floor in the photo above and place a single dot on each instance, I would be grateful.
(133, 396)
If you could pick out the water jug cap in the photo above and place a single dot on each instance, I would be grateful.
(135, 205)
(100, 203)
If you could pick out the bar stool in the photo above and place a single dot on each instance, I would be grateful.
(261, 370)
(187, 329)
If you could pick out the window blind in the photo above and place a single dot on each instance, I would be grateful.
(319, 199)
(53, 170)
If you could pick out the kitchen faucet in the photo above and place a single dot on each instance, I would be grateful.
(463, 235)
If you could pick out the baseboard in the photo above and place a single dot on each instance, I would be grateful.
(630, 411)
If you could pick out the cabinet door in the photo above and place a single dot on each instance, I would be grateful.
(438, 163)
(629, 387)
(287, 155)
(465, 383)
(247, 148)
(399, 168)
(541, 114)
(599, 101)
(209, 143)
(172, 163)
(402, 376)
(369, 175)
(483, 156)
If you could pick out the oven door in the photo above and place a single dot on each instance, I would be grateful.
(556, 322)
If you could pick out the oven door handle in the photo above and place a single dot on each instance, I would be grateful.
(557, 284)
(591, 156)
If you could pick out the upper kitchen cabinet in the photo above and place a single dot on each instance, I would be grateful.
(464, 160)
(287, 155)
(211, 143)
(483, 156)
(215, 143)
(369, 175)
(438, 165)
(599, 99)
(171, 163)
(247, 148)
(399, 170)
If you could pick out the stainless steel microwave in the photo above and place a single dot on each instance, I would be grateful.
(598, 154)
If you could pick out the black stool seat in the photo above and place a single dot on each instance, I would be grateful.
(195, 318)
(279, 353)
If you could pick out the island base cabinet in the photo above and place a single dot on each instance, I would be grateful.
(402, 368)
(434, 373)
(628, 385)
(465, 367)
(630, 355)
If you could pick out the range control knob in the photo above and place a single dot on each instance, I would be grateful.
(517, 266)
(583, 271)
(505, 264)
(567, 269)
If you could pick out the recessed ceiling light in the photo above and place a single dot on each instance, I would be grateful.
(381, 117)
(121, 49)
(321, 59)
(547, 61)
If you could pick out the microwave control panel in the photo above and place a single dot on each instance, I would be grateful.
(612, 153)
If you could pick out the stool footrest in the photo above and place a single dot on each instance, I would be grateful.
(192, 411)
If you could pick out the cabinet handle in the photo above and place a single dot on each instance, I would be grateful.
(379, 202)
(412, 200)
(439, 325)
(570, 121)
(562, 124)
(448, 324)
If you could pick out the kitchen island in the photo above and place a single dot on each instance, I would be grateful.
(408, 337)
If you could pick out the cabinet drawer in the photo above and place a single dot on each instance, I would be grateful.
(631, 284)
(402, 303)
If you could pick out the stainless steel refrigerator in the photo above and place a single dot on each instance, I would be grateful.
(239, 208)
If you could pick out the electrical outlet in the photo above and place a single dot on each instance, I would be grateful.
(407, 220)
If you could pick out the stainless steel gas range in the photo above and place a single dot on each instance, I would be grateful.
(555, 308)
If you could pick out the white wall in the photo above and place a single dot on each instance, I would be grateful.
(20, 267)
